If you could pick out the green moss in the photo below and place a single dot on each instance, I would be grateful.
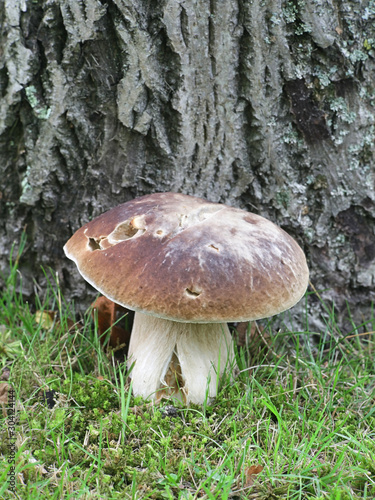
(88, 392)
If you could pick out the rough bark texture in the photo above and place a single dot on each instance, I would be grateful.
(267, 105)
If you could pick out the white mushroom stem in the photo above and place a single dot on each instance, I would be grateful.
(184, 360)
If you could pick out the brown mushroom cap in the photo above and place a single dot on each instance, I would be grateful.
(186, 259)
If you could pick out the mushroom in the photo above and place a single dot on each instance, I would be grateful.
(187, 267)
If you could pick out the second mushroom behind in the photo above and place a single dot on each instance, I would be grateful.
(187, 267)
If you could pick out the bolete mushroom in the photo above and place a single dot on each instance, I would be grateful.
(187, 267)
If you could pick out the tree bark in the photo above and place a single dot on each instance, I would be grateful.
(267, 105)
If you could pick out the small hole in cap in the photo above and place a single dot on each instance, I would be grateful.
(192, 293)
(94, 244)
(127, 230)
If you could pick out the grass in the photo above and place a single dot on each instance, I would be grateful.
(297, 423)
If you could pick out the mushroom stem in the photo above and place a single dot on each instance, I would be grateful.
(182, 360)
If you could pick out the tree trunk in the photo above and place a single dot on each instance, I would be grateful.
(265, 105)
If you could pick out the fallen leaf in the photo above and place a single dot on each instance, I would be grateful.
(4, 389)
(108, 313)
(5, 374)
(252, 336)
(49, 320)
(242, 329)
(251, 473)
(45, 319)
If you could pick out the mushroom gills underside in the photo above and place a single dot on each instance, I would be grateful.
(178, 360)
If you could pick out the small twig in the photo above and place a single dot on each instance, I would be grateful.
(358, 335)
(260, 366)
(294, 390)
